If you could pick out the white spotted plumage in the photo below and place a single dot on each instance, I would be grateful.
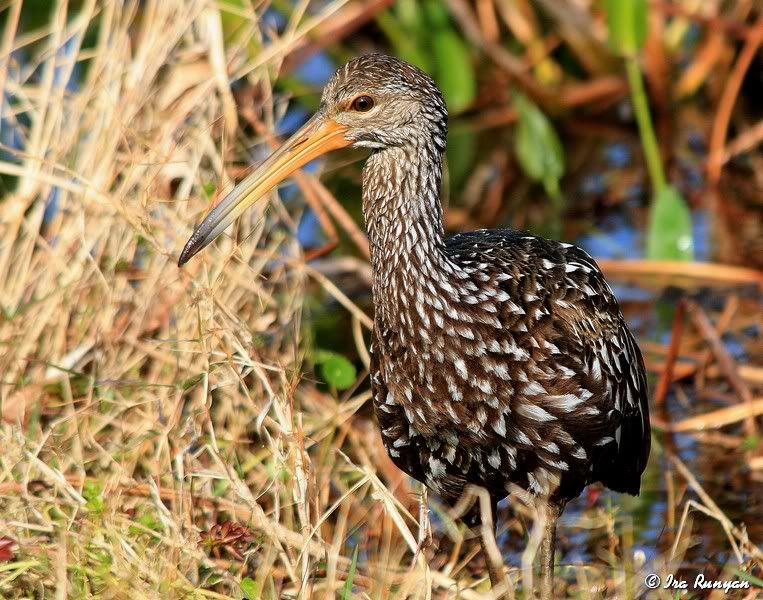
(499, 357)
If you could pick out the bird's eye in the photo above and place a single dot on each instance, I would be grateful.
(363, 103)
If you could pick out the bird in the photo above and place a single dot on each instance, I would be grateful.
(498, 358)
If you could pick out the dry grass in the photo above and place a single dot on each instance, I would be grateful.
(159, 438)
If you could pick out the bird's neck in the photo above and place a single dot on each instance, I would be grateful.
(403, 215)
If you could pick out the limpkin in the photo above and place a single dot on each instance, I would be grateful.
(498, 357)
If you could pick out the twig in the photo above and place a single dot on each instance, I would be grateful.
(725, 361)
(745, 141)
(498, 575)
(342, 216)
(714, 22)
(728, 99)
(682, 270)
(505, 60)
(738, 533)
(718, 418)
(666, 377)
(342, 24)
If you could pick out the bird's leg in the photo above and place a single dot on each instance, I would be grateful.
(495, 570)
(549, 512)
(488, 527)
(425, 526)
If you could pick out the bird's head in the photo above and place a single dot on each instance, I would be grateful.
(383, 102)
(373, 101)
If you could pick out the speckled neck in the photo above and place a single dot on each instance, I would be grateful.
(403, 215)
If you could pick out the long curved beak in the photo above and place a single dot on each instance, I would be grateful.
(316, 137)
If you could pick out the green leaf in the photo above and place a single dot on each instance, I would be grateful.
(338, 372)
(749, 577)
(250, 588)
(404, 42)
(409, 14)
(454, 72)
(149, 521)
(462, 148)
(219, 487)
(422, 33)
(436, 13)
(236, 25)
(627, 22)
(537, 146)
(187, 383)
(751, 442)
(208, 189)
(320, 356)
(669, 232)
(347, 590)
(91, 492)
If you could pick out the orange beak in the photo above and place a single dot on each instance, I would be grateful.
(316, 137)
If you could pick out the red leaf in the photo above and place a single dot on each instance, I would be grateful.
(6, 553)
(593, 496)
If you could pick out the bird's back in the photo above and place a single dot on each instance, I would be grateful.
(517, 368)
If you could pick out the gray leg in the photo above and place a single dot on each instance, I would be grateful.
(551, 512)
(495, 569)
(425, 527)
(497, 575)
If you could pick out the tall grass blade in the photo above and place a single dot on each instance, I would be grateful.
(347, 589)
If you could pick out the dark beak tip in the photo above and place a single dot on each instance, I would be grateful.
(187, 253)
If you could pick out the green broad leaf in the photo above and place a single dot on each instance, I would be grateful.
(537, 146)
(250, 588)
(462, 148)
(437, 16)
(219, 487)
(453, 69)
(338, 372)
(669, 234)
(347, 589)
(320, 356)
(410, 15)
(335, 369)
(627, 22)
(149, 521)
(403, 41)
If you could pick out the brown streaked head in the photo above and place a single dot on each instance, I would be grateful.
(374, 101)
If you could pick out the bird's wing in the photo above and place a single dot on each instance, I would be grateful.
(576, 377)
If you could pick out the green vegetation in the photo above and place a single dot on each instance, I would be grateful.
(421, 32)
(669, 234)
(538, 148)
